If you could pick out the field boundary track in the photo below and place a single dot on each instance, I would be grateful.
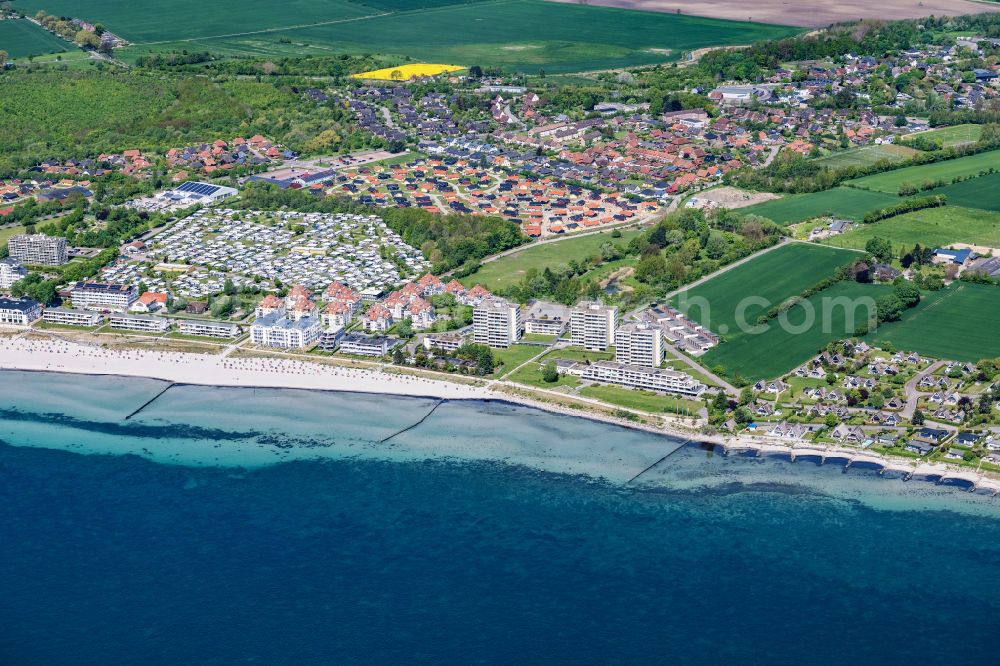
(267, 30)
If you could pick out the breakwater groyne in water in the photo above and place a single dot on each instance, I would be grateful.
(936, 473)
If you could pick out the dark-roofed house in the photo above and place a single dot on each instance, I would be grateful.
(19, 311)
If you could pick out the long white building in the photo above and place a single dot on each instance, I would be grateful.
(496, 323)
(639, 344)
(72, 317)
(143, 323)
(594, 325)
(38, 249)
(209, 329)
(643, 377)
(276, 330)
(10, 272)
(104, 296)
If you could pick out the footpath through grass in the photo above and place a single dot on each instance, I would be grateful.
(509, 270)
(747, 291)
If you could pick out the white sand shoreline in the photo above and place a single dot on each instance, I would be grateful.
(60, 356)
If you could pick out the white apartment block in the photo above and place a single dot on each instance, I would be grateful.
(496, 323)
(593, 325)
(38, 249)
(366, 345)
(11, 272)
(639, 344)
(19, 311)
(642, 377)
(209, 329)
(544, 326)
(443, 341)
(104, 296)
(276, 330)
(139, 323)
(72, 317)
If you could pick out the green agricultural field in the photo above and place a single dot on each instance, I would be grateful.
(954, 136)
(890, 181)
(842, 202)
(772, 277)
(509, 270)
(523, 35)
(982, 192)
(866, 156)
(960, 322)
(779, 349)
(933, 226)
(22, 38)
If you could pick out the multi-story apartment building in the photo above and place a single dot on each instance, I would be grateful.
(10, 272)
(643, 377)
(276, 330)
(496, 323)
(448, 342)
(209, 329)
(593, 325)
(638, 343)
(72, 317)
(104, 296)
(142, 323)
(19, 311)
(367, 345)
(38, 249)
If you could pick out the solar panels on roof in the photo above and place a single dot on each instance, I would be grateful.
(202, 189)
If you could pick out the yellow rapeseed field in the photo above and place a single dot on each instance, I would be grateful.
(407, 72)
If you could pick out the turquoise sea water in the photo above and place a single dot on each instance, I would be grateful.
(232, 525)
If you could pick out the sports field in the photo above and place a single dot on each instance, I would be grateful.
(773, 277)
(866, 156)
(845, 202)
(890, 181)
(780, 349)
(954, 136)
(524, 35)
(509, 270)
(932, 227)
(22, 38)
(960, 322)
(982, 192)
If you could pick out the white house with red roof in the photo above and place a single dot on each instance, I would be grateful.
(378, 319)
(430, 285)
(477, 295)
(336, 314)
(268, 305)
(150, 301)
(456, 289)
(422, 314)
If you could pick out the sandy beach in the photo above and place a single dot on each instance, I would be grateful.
(217, 370)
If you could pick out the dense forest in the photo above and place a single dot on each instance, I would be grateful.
(448, 241)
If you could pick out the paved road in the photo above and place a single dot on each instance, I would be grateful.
(726, 386)
(912, 394)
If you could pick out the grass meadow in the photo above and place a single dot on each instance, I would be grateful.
(956, 135)
(523, 35)
(509, 270)
(866, 156)
(22, 38)
(844, 202)
(890, 181)
(930, 227)
(959, 322)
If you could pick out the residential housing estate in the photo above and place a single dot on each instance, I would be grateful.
(497, 323)
(38, 249)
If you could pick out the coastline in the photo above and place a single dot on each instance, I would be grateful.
(220, 370)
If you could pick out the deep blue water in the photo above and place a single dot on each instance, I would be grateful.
(119, 559)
